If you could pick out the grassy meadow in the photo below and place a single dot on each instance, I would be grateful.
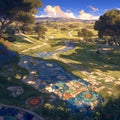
(101, 69)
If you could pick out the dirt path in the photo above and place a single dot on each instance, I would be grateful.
(70, 35)
(32, 48)
(28, 40)
(16, 45)
(25, 37)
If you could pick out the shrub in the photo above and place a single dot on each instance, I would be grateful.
(7, 56)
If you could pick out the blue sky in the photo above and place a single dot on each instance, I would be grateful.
(83, 9)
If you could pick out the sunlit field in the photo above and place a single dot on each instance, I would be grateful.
(101, 71)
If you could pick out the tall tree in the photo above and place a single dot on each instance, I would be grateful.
(17, 11)
(40, 30)
(27, 28)
(85, 33)
(9, 33)
(108, 26)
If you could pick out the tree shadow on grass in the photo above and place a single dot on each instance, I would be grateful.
(22, 39)
(86, 56)
(109, 111)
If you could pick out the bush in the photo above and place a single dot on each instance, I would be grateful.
(7, 56)
(9, 33)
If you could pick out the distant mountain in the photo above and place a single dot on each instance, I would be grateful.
(57, 19)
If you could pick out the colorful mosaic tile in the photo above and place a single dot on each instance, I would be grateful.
(75, 94)
(53, 78)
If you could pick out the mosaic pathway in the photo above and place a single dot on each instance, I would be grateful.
(15, 113)
(51, 77)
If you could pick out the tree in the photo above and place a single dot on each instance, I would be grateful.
(9, 33)
(108, 26)
(27, 28)
(40, 30)
(64, 29)
(17, 11)
(85, 33)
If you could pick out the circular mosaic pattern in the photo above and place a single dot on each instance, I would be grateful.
(34, 101)
(86, 98)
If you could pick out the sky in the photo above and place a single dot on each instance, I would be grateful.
(80, 9)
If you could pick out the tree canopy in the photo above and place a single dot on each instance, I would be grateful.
(40, 30)
(9, 33)
(108, 26)
(17, 10)
(85, 33)
(27, 28)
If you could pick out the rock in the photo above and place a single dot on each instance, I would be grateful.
(109, 92)
(51, 101)
(100, 88)
(31, 82)
(25, 62)
(117, 82)
(109, 80)
(19, 116)
(53, 97)
(16, 90)
(92, 106)
(33, 72)
(24, 77)
(18, 76)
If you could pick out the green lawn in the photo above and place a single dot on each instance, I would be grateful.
(46, 110)
(81, 61)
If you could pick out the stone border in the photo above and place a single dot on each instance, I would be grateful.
(24, 110)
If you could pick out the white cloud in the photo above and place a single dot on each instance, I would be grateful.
(93, 8)
(37, 16)
(118, 8)
(87, 16)
(56, 11)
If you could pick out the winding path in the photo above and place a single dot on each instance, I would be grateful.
(70, 35)
(32, 48)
